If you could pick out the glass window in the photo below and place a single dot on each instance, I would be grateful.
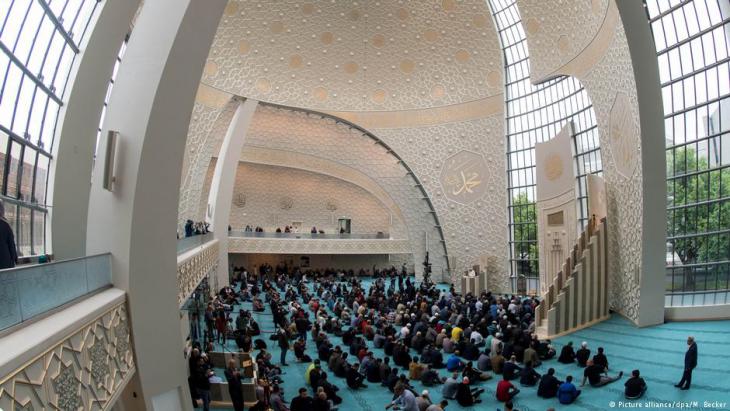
(536, 114)
(698, 172)
(39, 228)
(39, 40)
(26, 176)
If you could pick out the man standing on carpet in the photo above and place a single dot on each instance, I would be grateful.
(233, 377)
(690, 362)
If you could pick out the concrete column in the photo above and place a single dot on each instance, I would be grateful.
(73, 154)
(654, 187)
(224, 179)
(150, 107)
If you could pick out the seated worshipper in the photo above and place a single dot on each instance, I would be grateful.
(253, 327)
(635, 386)
(405, 400)
(324, 350)
(336, 354)
(391, 380)
(308, 372)
(403, 382)
(276, 400)
(469, 350)
(315, 375)
(593, 372)
(415, 369)
(454, 363)
(433, 357)
(341, 366)
(474, 374)
(303, 402)
(366, 360)
(384, 369)
(448, 345)
(299, 347)
(511, 370)
(400, 356)
(583, 354)
(505, 390)
(320, 402)
(354, 378)
(431, 377)
(423, 401)
(483, 362)
(476, 338)
(497, 363)
(528, 375)
(258, 305)
(549, 385)
(418, 342)
(567, 393)
(329, 389)
(372, 371)
(438, 407)
(451, 386)
(567, 356)
(379, 340)
(545, 350)
(466, 396)
(600, 358)
(530, 354)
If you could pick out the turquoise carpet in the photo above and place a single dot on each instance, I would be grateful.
(658, 352)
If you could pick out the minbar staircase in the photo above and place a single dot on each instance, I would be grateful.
(578, 295)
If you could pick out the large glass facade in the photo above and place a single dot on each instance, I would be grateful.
(39, 40)
(692, 40)
(536, 114)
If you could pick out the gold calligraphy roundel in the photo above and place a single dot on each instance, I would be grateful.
(464, 177)
(553, 167)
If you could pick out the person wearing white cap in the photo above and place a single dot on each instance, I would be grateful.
(423, 401)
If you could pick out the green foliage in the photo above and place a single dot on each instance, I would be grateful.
(696, 206)
(524, 217)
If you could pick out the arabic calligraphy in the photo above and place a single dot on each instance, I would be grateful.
(462, 177)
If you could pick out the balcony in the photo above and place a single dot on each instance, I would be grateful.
(251, 242)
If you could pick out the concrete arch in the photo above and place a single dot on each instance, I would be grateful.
(150, 108)
(300, 161)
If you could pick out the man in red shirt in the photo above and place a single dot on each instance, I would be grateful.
(505, 390)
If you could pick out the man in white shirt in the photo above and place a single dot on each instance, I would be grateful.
(406, 401)
(476, 338)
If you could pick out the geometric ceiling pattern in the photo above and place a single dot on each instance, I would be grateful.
(357, 56)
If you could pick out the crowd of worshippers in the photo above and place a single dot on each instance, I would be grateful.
(286, 229)
(420, 329)
(192, 228)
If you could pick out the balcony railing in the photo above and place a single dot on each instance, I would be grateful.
(188, 243)
(29, 291)
(308, 236)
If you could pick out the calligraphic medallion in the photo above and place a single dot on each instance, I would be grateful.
(464, 177)
(553, 167)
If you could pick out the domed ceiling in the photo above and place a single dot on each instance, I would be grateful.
(342, 55)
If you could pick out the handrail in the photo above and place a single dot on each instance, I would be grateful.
(188, 243)
(307, 236)
(29, 291)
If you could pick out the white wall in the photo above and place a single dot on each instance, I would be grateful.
(267, 189)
